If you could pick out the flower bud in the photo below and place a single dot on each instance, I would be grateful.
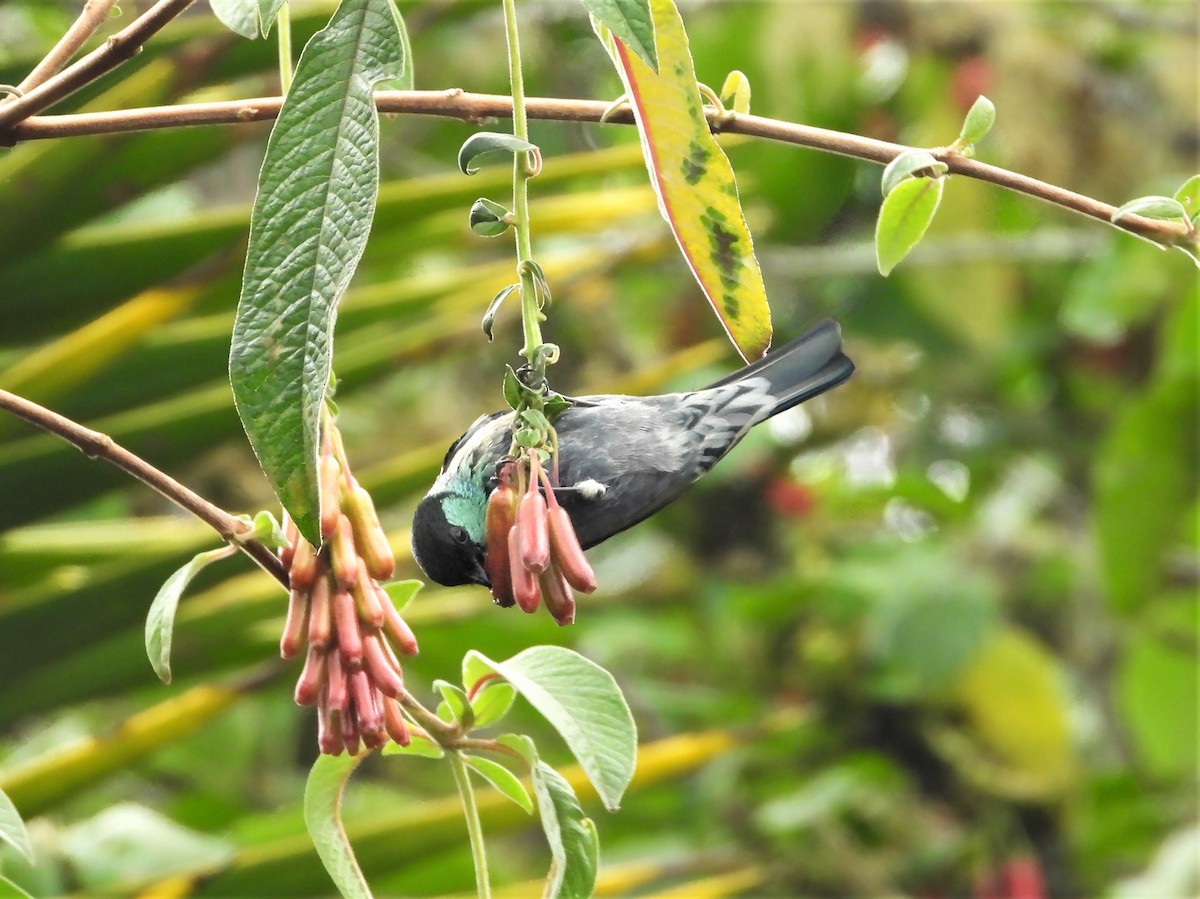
(343, 554)
(305, 565)
(525, 587)
(397, 627)
(501, 513)
(294, 625)
(556, 593)
(367, 601)
(393, 722)
(345, 624)
(366, 704)
(320, 615)
(337, 696)
(329, 735)
(328, 474)
(566, 551)
(533, 532)
(308, 687)
(290, 537)
(369, 536)
(381, 666)
(349, 730)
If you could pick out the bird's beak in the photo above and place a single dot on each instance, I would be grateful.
(479, 575)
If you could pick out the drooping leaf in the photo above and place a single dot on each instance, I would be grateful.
(905, 165)
(160, 621)
(239, 16)
(630, 21)
(903, 219)
(574, 844)
(309, 227)
(484, 142)
(322, 817)
(487, 218)
(694, 181)
(978, 122)
(584, 704)
(735, 92)
(418, 745)
(489, 316)
(12, 828)
(268, 11)
(1164, 208)
(1189, 195)
(505, 782)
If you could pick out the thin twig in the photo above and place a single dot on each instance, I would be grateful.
(94, 14)
(123, 45)
(480, 107)
(95, 445)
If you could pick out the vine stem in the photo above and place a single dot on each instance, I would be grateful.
(521, 175)
(283, 30)
(471, 107)
(95, 445)
(462, 779)
(91, 18)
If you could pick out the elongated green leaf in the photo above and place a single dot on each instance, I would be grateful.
(694, 181)
(492, 703)
(322, 817)
(574, 844)
(1153, 207)
(631, 21)
(160, 621)
(239, 16)
(8, 888)
(418, 746)
(12, 828)
(584, 704)
(903, 219)
(309, 227)
(268, 10)
(1189, 195)
(507, 783)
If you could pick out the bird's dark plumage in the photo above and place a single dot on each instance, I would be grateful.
(622, 458)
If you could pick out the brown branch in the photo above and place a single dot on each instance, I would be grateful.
(95, 445)
(92, 17)
(481, 107)
(123, 45)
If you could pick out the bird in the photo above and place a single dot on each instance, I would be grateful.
(620, 458)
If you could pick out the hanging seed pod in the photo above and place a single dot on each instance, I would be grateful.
(295, 625)
(328, 475)
(566, 551)
(320, 615)
(526, 591)
(345, 625)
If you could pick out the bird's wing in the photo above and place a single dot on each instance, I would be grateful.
(645, 451)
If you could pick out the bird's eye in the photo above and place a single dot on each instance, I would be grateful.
(458, 535)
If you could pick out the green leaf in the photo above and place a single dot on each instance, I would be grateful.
(484, 142)
(522, 744)
(541, 284)
(268, 12)
(505, 782)
(574, 844)
(735, 92)
(489, 320)
(239, 16)
(12, 828)
(160, 621)
(8, 888)
(903, 219)
(1164, 208)
(401, 593)
(631, 21)
(978, 122)
(315, 202)
(1189, 195)
(492, 703)
(906, 165)
(488, 218)
(584, 704)
(418, 745)
(1156, 691)
(322, 817)
(457, 703)
(265, 528)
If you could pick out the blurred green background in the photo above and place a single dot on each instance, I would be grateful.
(934, 635)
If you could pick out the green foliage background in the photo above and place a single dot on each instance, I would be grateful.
(945, 621)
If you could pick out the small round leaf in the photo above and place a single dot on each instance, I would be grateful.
(980, 118)
(488, 218)
(735, 92)
(906, 165)
(1164, 208)
(489, 142)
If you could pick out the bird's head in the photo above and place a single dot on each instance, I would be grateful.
(447, 540)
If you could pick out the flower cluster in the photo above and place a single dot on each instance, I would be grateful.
(533, 553)
(347, 621)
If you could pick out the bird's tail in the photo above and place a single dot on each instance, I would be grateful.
(802, 368)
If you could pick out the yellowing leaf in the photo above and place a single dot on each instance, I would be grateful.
(694, 181)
